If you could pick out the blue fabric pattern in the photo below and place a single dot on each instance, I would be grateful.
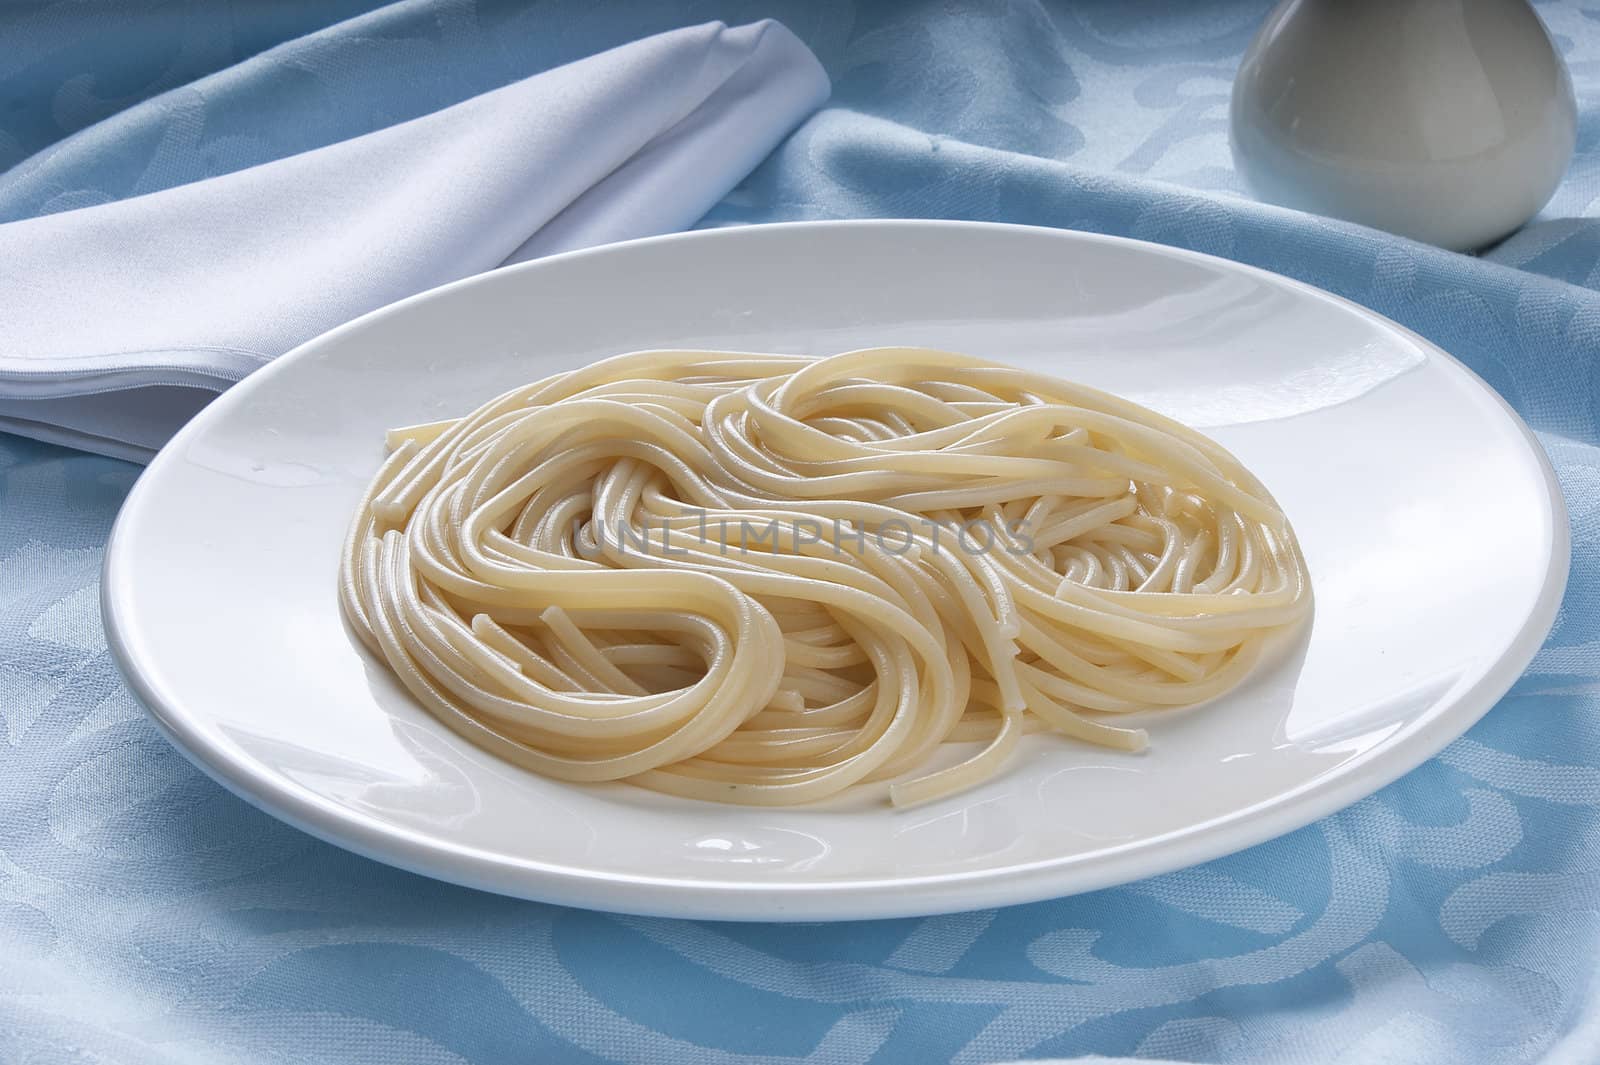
(146, 916)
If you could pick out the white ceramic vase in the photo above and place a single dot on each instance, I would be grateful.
(1449, 121)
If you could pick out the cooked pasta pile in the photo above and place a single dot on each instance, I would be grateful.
(765, 579)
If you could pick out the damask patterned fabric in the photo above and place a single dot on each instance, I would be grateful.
(147, 916)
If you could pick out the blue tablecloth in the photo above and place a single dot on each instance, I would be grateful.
(148, 916)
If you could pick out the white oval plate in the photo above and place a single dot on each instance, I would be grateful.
(1430, 519)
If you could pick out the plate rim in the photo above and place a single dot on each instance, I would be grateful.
(824, 898)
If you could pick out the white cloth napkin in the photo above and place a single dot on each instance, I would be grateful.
(123, 319)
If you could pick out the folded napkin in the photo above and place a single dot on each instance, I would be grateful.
(124, 318)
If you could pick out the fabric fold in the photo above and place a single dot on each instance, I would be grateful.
(192, 287)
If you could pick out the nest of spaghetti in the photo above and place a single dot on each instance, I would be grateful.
(766, 579)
